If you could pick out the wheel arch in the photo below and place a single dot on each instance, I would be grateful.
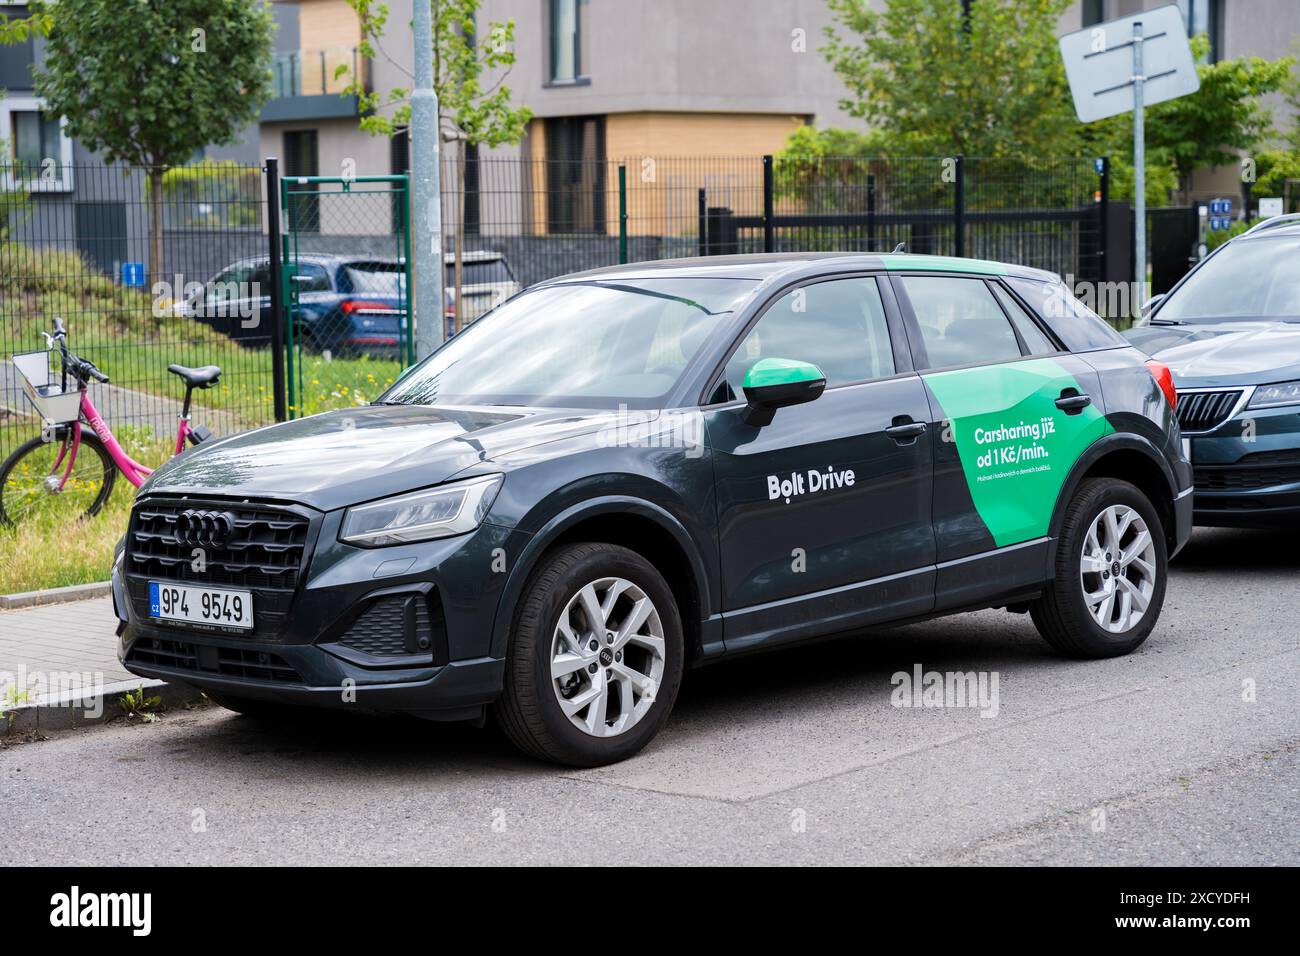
(1131, 458)
(636, 524)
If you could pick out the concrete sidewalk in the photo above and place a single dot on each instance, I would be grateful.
(77, 636)
(65, 656)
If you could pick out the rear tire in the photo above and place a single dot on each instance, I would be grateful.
(617, 677)
(1111, 569)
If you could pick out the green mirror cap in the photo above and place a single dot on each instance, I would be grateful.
(779, 371)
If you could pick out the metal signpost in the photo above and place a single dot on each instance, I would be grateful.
(1129, 64)
(426, 192)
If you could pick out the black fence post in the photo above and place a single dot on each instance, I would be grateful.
(704, 224)
(272, 169)
(1103, 204)
(871, 212)
(769, 229)
(959, 208)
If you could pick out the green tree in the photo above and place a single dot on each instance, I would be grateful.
(150, 84)
(938, 86)
(473, 108)
(14, 30)
(1277, 165)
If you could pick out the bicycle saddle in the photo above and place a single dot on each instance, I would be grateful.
(204, 377)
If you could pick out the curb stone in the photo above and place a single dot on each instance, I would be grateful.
(69, 711)
(73, 592)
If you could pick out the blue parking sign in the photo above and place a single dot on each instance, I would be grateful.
(133, 274)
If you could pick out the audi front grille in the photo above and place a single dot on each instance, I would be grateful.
(259, 547)
(1205, 411)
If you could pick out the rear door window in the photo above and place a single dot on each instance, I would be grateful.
(961, 322)
(313, 278)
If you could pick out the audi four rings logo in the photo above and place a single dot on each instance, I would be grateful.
(207, 529)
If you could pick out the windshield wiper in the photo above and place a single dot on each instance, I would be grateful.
(1165, 322)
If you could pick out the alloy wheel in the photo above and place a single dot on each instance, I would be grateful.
(607, 657)
(1118, 568)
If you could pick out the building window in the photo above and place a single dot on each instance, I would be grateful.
(1094, 11)
(38, 153)
(302, 158)
(568, 41)
(575, 174)
(1205, 16)
(35, 138)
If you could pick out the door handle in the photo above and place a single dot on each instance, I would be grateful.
(904, 430)
(1072, 402)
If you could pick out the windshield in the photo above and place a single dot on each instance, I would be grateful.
(597, 344)
(1254, 279)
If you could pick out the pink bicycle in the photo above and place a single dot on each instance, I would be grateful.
(67, 470)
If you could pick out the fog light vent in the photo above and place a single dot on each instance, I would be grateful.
(395, 626)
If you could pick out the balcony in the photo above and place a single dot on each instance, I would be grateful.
(305, 84)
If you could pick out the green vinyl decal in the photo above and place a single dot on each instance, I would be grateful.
(1016, 447)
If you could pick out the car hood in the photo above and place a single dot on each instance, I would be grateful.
(343, 457)
(1225, 353)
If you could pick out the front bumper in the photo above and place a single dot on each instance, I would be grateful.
(313, 656)
(1247, 471)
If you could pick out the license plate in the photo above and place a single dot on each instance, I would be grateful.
(214, 606)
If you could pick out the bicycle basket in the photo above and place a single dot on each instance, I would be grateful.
(42, 374)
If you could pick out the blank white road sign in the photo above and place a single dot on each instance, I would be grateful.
(1099, 63)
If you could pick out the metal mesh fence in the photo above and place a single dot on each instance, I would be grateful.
(549, 218)
(346, 250)
(75, 243)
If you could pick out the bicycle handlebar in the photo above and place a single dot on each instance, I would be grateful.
(88, 368)
(81, 368)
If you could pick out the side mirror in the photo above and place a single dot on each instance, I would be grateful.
(773, 383)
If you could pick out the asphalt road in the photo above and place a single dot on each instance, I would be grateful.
(797, 757)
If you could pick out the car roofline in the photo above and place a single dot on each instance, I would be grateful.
(765, 267)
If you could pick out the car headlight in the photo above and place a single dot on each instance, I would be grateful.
(421, 515)
(1280, 393)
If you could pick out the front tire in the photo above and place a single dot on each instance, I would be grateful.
(1111, 569)
(595, 658)
(28, 475)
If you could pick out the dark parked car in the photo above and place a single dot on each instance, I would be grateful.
(348, 305)
(618, 474)
(1230, 334)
